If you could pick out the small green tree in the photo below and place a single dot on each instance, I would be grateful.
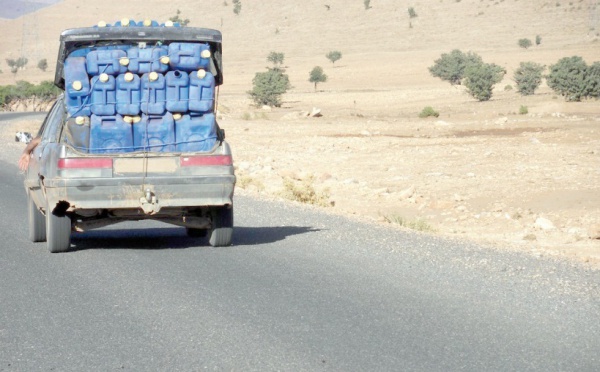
(269, 86)
(538, 40)
(524, 43)
(528, 77)
(178, 19)
(16, 64)
(43, 64)
(412, 13)
(367, 4)
(317, 76)
(481, 78)
(568, 78)
(334, 56)
(276, 58)
(451, 66)
(237, 6)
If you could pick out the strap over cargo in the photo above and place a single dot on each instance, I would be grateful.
(78, 38)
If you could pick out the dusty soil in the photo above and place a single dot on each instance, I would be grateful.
(480, 171)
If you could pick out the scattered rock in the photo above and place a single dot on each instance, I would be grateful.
(407, 193)
(316, 113)
(502, 120)
(594, 231)
(244, 165)
(266, 108)
(365, 133)
(544, 224)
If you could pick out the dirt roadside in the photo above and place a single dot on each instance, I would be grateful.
(526, 182)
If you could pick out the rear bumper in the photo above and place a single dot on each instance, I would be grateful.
(117, 193)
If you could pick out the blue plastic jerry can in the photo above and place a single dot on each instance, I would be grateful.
(104, 95)
(202, 92)
(128, 94)
(77, 87)
(154, 133)
(178, 91)
(154, 94)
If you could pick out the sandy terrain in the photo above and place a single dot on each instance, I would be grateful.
(480, 171)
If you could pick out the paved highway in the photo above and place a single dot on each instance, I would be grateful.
(299, 290)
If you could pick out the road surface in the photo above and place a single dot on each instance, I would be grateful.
(300, 290)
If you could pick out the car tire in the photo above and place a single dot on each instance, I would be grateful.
(58, 232)
(37, 222)
(221, 231)
(196, 233)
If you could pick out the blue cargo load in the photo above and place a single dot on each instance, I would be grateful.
(202, 92)
(189, 56)
(196, 133)
(77, 87)
(146, 60)
(109, 134)
(178, 91)
(154, 94)
(154, 133)
(106, 61)
(128, 94)
(104, 95)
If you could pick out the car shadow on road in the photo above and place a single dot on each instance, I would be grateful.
(176, 238)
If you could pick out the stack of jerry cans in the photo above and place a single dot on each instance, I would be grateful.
(150, 98)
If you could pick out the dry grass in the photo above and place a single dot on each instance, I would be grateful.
(418, 224)
(304, 192)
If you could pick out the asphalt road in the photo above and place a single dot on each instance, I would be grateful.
(299, 290)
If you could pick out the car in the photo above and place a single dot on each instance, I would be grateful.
(111, 152)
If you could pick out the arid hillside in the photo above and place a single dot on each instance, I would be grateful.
(306, 30)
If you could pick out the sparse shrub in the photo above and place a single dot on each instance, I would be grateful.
(508, 88)
(412, 13)
(45, 91)
(592, 85)
(451, 66)
(304, 192)
(43, 64)
(178, 19)
(269, 86)
(524, 43)
(480, 79)
(367, 4)
(528, 77)
(334, 56)
(568, 78)
(317, 76)
(276, 58)
(237, 6)
(428, 111)
(523, 110)
(538, 40)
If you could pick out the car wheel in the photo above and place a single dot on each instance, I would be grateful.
(221, 230)
(37, 222)
(196, 233)
(58, 232)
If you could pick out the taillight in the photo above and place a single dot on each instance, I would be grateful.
(85, 163)
(208, 160)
